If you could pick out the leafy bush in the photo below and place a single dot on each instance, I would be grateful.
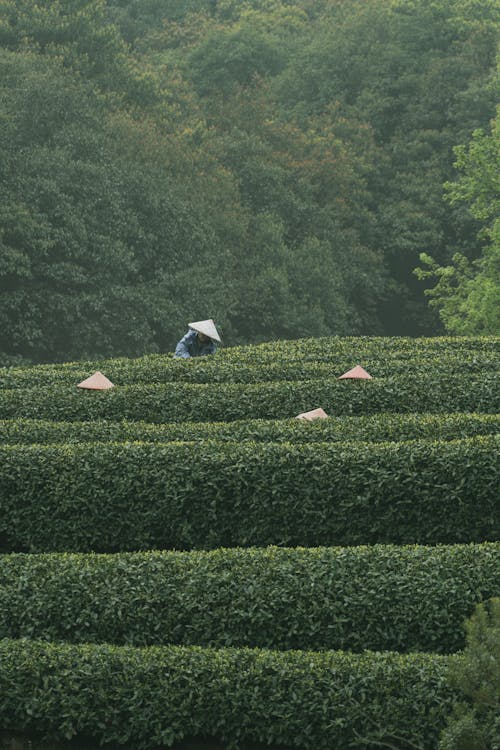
(380, 598)
(374, 427)
(180, 402)
(304, 359)
(159, 695)
(334, 348)
(165, 369)
(132, 496)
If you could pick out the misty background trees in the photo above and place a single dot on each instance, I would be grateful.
(282, 167)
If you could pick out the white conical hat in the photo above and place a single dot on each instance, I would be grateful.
(96, 382)
(314, 414)
(357, 373)
(207, 327)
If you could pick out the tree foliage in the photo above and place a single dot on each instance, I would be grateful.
(475, 724)
(468, 293)
(96, 216)
(276, 165)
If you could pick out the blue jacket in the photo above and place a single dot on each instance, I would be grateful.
(190, 346)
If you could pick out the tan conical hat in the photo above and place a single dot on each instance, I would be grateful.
(357, 373)
(314, 414)
(96, 382)
(207, 327)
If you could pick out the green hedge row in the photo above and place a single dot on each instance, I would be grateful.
(156, 369)
(383, 598)
(374, 427)
(156, 696)
(334, 348)
(117, 497)
(180, 402)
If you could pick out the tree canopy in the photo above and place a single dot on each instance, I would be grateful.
(468, 292)
(276, 165)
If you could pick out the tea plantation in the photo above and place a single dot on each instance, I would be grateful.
(185, 564)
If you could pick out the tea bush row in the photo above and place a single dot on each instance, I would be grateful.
(379, 598)
(333, 350)
(155, 369)
(181, 402)
(374, 427)
(159, 695)
(133, 496)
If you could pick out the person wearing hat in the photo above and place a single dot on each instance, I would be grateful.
(199, 340)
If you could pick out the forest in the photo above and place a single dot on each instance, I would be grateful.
(290, 168)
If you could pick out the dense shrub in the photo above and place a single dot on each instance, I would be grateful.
(380, 598)
(384, 355)
(383, 346)
(155, 696)
(165, 369)
(180, 402)
(253, 478)
(117, 497)
(320, 348)
(374, 427)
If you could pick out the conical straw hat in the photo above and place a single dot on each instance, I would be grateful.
(357, 373)
(207, 327)
(314, 414)
(96, 382)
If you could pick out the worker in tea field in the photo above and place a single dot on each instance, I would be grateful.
(199, 340)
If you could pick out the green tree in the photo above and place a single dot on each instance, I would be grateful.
(475, 724)
(467, 293)
(419, 75)
(103, 250)
(277, 164)
(230, 57)
(74, 30)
